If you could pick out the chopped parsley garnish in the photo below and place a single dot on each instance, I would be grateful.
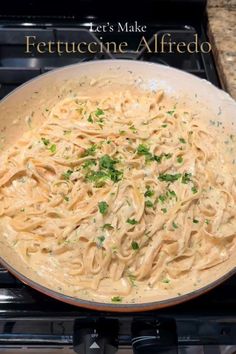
(135, 245)
(170, 112)
(66, 175)
(143, 150)
(162, 198)
(166, 177)
(182, 140)
(107, 227)
(166, 281)
(175, 226)
(103, 207)
(116, 299)
(132, 279)
(149, 204)
(100, 239)
(179, 159)
(172, 194)
(90, 151)
(169, 194)
(133, 129)
(122, 132)
(45, 141)
(97, 177)
(195, 221)
(107, 164)
(164, 210)
(186, 178)
(149, 192)
(90, 119)
(164, 125)
(194, 190)
(132, 221)
(66, 199)
(99, 112)
(67, 132)
(53, 148)
(158, 158)
(89, 163)
(207, 221)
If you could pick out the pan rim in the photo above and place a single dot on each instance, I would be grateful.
(95, 305)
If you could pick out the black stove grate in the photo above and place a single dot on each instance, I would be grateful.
(17, 67)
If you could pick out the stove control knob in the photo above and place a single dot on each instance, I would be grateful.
(157, 336)
(95, 336)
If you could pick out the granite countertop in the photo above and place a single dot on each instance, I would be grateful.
(222, 35)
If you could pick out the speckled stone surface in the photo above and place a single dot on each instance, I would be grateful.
(221, 3)
(222, 34)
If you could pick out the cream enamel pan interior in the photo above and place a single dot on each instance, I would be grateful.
(26, 106)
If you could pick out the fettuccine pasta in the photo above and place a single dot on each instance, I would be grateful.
(118, 193)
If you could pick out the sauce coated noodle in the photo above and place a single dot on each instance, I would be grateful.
(118, 193)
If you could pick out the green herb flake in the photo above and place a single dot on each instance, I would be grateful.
(194, 190)
(97, 177)
(99, 112)
(195, 221)
(166, 281)
(45, 141)
(158, 158)
(162, 198)
(179, 159)
(67, 132)
(116, 299)
(186, 178)
(171, 194)
(182, 140)
(132, 221)
(103, 207)
(133, 129)
(108, 164)
(164, 125)
(207, 221)
(90, 151)
(143, 150)
(149, 192)
(164, 210)
(175, 226)
(170, 112)
(66, 199)
(89, 163)
(135, 245)
(149, 204)
(107, 227)
(169, 177)
(53, 148)
(66, 175)
(132, 279)
(122, 132)
(90, 119)
(100, 239)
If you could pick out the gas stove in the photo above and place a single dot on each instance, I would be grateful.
(33, 323)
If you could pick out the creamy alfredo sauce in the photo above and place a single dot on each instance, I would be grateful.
(121, 196)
